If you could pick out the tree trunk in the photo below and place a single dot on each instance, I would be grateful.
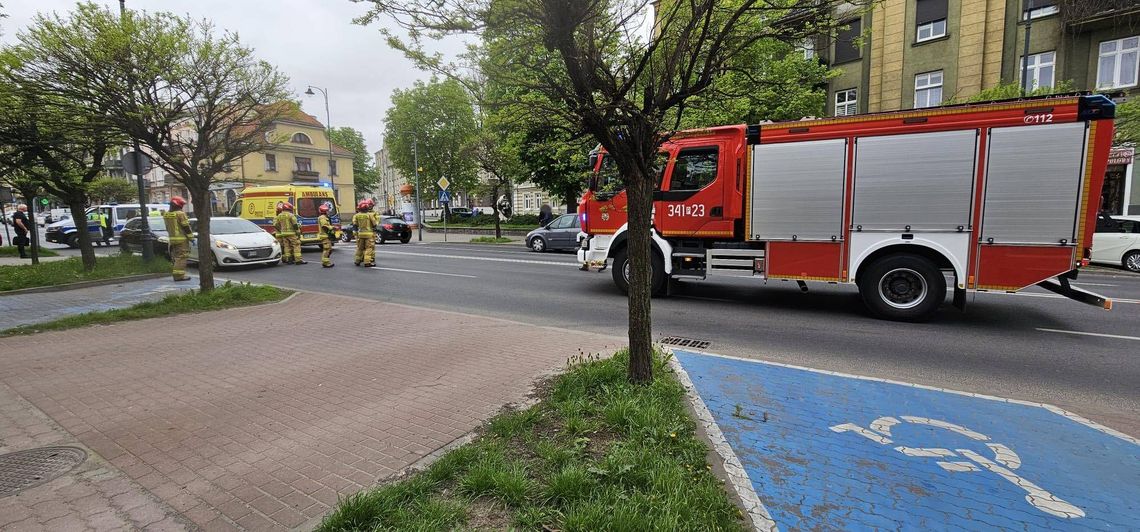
(33, 229)
(640, 193)
(79, 217)
(495, 211)
(201, 200)
(571, 197)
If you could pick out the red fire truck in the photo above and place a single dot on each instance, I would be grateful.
(997, 197)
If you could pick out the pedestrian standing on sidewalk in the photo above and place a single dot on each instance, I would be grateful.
(365, 236)
(325, 228)
(287, 226)
(105, 227)
(179, 235)
(20, 220)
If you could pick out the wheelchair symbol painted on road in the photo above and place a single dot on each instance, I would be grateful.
(1003, 463)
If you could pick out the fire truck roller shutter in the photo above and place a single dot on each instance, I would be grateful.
(797, 191)
(1033, 175)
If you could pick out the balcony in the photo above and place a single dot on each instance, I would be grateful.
(306, 175)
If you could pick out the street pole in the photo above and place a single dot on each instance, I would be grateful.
(419, 208)
(1025, 55)
(144, 213)
(328, 129)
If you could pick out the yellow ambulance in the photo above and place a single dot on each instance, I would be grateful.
(259, 205)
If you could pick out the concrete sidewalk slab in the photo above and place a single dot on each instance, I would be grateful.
(261, 417)
(24, 309)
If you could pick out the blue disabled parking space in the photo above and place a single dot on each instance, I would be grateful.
(829, 451)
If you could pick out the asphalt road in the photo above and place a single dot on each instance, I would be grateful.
(1009, 345)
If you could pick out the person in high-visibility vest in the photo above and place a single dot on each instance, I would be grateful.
(179, 235)
(105, 227)
(325, 228)
(365, 236)
(287, 227)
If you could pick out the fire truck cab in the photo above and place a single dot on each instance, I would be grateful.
(996, 196)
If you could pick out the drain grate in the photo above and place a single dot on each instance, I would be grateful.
(25, 469)
(681, 341)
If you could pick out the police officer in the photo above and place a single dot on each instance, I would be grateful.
(179, 237)
(325, 228)
(286, 226)
(365, 236)
(105, 227)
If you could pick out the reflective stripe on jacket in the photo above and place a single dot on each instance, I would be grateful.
(285, 224)
(177, 226)
(324, 226)
(365, 224)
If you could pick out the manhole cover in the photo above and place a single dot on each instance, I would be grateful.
(685, 342)
(24, 469)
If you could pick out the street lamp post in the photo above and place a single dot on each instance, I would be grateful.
(144, 212)
(419, 206)
(328, 128)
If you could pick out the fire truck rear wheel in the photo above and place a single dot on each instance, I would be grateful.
(902, 288)
(620, 269)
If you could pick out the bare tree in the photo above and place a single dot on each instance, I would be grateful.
(196, 98)
(626, 89)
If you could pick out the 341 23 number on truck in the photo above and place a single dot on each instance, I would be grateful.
(997, 196)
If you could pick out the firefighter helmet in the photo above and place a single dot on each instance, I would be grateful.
(177, 202)
(324, 208)
(287, 206)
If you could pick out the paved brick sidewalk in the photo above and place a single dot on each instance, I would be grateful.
(259, 418)
(40, 307)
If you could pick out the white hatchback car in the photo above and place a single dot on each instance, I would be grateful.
(236, 241)
(1117, 241)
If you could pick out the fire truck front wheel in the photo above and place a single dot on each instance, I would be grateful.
(902, 288)
(621, 271)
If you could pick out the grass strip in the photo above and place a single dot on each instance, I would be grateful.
(596, 453)
(226, 296)
(71, 271)
(13, 251)
(491, 240)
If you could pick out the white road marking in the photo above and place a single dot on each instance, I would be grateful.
(1081, 333)
(488, 259)
(1092, 284)
(423, 272)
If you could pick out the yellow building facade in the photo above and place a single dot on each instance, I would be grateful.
(297, 150)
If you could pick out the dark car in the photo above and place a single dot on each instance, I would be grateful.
(392, 228)
(560, 233)
(130, 238)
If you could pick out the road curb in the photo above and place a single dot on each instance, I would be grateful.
(725, 464)
(83, 284)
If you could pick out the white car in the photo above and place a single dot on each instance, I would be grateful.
(236, 241)
(1117, 241)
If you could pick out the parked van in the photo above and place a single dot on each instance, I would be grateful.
(259, 205)
(64, 232)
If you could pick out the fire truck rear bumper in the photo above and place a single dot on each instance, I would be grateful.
(593, 253)
(1061, 286)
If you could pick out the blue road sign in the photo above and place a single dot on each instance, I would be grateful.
(444, 196)
(832, 451)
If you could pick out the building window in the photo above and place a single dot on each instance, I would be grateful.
(332, 167)
(270, 162)
(847, 42)
(301, 138)
(1039, 8)
(807, 48)
(1119, 61)
(846, 102)
(1040, 70)
(304, 164)
(928, 89)
(930, 19)
(526, 201)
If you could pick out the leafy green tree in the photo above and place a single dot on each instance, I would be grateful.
(1128, 122)
(55, 141)
(627, 91)
(364, 173)
(196, 98)
(107, 189)
(1010, 90)
(437, 120)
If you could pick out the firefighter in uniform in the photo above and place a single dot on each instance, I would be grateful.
(365, 236)
(277, 235)
(179, 236)
(288, 227)
(325, 228)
